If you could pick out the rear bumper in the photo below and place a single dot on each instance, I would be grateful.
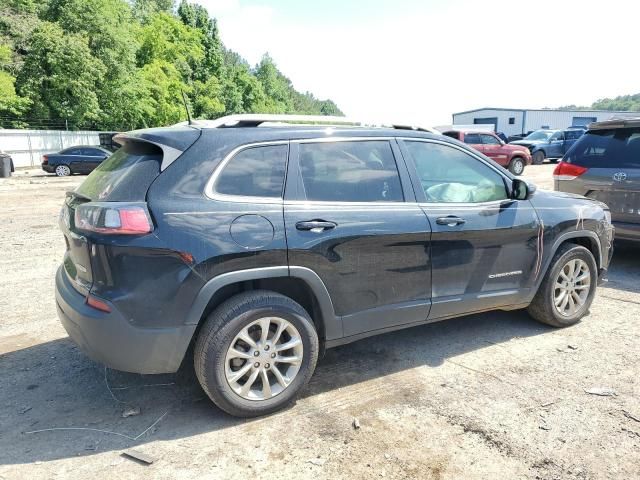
(48, 168)
(627, 231)
(112, 340)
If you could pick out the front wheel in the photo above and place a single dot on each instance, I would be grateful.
(568, 288)
(516, 166)
(538, 158)
(255, 353)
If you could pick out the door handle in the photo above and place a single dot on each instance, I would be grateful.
(316, 226)
(450, 221)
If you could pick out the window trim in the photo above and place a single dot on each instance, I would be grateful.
(211, 193)
(413, 173)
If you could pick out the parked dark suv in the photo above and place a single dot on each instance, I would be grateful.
(263, 245)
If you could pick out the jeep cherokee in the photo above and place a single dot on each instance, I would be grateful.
(263, 243)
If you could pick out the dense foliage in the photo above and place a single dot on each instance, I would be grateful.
(122, 65)
(630, 103)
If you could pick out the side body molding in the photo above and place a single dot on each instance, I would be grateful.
(332, 324)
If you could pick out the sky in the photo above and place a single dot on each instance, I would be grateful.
(420, 61)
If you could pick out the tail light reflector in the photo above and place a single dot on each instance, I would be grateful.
(113, 218)
(568, 171)
(98, 304)
(45, 160)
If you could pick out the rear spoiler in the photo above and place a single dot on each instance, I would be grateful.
(172, 141)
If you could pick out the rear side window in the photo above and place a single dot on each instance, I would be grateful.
(254, 172)
(472, 139)
(572, 134)
(615, 148)
(126, 175)
(362, 171)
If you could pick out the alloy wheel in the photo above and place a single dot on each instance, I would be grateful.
(572, 287)
(264, 358)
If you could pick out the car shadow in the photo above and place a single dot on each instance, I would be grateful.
(56, 403)
(625, 267)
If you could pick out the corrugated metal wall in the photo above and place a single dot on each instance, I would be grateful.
(26, 147)
(534, 119)
(503, 117)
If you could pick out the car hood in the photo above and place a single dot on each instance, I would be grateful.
(563, 199)
(515, 148)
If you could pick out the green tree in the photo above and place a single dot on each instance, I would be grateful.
(276, 86)
(145, 9)
(166, 38)
(196, 16)
(60, 76)
(11, 104)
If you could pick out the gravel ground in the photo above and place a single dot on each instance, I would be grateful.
(485, 396)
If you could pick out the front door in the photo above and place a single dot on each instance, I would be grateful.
(350, 217)
(493, 149)
(484, 245)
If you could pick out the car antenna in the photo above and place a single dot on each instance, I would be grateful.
(186, 107)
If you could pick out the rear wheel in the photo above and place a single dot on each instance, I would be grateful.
(255, 353)
(568, 288)
(63, 171)
(516, 166)
(538, 158)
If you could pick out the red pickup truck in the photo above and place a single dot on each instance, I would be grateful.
(513, 157)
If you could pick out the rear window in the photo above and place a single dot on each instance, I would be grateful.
(126, 175)
(615, 148)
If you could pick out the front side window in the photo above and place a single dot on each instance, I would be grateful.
(254, 172)
(557, 136)
(490, 140)
(362, 171)
(449, 175)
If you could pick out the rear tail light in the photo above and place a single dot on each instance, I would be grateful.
(98, 304)
(113, 218)
(45, 160)
(568, 171)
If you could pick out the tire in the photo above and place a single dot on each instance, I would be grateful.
(543, 307)
(217, 364)
(63, 171)
(516, 166)
(538, 157)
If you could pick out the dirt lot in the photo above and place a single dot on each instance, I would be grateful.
(486, 396)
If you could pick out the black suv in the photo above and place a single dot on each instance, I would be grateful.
(264, 243)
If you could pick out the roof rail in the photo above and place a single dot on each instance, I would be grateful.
(616, 122)
(257, 119)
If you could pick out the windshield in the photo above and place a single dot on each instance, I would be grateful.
(539, 135)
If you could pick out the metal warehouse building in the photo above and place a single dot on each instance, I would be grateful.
(517, 121)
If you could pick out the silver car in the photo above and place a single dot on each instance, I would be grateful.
(604, 164)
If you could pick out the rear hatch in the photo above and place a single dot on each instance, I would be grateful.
(609, 170)
(122, 179)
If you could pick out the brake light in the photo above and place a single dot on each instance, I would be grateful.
(45, 160)
(113, 218)
(568, 171)
(98, 304)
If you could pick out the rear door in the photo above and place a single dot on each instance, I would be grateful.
(483, 243)
(73, 158)
(474, 141)
(612, 162)
(92, 157)
(351, 217)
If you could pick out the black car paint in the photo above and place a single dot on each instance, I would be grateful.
(77, 163)
(383, 267)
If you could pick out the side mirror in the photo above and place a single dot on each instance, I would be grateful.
(521, 190)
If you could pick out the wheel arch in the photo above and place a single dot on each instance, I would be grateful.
(585, 238)
(298, 283)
